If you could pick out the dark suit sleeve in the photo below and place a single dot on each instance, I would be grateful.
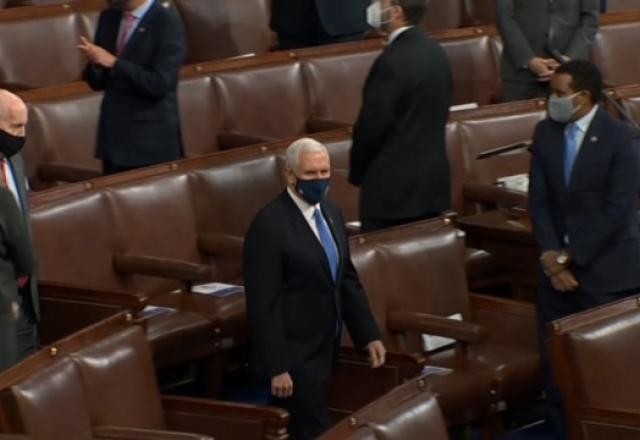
(539, 194)
(597, 232)
(15, 235)
(516, 44)
(376, 117)
(583, 37)
(263, 288)
(355, 306)
(97, 76)
(159, 77)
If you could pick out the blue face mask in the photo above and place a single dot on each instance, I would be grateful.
(312, 191)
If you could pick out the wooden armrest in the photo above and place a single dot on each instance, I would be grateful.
(161, 267)
(128, 300)
(122, 433)
(316, 125)
(487, 193)
(521, 309)
(401, 321)
(216, 244)
(213, 417)
(57, 172)
(229, 139)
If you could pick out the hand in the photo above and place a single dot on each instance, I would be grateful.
(541, 67)
(15, 310)
(564, 281)
(282, 385)
(377, 353)
(96, 54)
(550, 265)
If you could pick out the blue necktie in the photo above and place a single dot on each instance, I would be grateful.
(570, 150)
(327, 242)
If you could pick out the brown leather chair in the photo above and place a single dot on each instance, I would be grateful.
(24, 32)
(444, 14)
(592, 354)
(623, 5)
(200, 115)
(225, 28)
(480, 12)
(408, 412)
(611, 53)
(475, 74)
(100, 383)
(418, 278)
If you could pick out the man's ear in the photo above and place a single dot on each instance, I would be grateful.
(289, 176)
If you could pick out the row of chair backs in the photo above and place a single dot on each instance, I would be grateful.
(592, 353)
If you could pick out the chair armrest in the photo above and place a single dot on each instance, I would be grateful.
(213, 244)
(122, 433)
(401, 321)
(232, 139)
(52, 172)
(495, 195)
(316, 125)
(161, 267)
(225, 419)
(353, 228)
(60, 291)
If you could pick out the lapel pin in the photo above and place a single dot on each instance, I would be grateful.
(594, 138)
(141, 30)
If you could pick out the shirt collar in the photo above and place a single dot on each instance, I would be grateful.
(584, 122)
(304, 207)
(395, 34)
(141, 10)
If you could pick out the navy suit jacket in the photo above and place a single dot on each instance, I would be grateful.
(597, 210)
(292, 300)
(139, 123)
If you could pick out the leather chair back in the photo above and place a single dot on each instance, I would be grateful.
(623, 5)
(611, 53)
(444, 14)
(200, 115)
(219, 29)
(480, 12)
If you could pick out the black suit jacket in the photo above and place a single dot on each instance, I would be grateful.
(139, 123)
(398, 154)
(597, 211)
(292, 300)
(337, 17)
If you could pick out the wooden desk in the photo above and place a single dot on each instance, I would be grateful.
(511, 242)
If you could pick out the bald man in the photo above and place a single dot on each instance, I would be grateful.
(18, 288)
(301, 287)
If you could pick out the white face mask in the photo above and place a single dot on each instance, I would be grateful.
(562, 109)
(374, 15)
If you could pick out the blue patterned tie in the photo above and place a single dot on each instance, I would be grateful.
(327, 242)
(570, 150)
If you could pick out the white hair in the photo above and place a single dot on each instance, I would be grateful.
(300, 146)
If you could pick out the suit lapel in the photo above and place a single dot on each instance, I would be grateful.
(300, 225)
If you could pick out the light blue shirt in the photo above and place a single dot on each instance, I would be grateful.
(583, 125)
(139, 14)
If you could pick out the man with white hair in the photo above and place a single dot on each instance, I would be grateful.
(18, 289)
(301, 287)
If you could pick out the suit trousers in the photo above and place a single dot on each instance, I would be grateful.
(18, 338)
(307, 407)
(553, 305)
(521, 90)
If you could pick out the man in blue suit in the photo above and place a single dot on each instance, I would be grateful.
(136, 58)
(583, 194)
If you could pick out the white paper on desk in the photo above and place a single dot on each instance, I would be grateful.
(429, 370)
(220, 290)
(518, 182)
(151, 311)
(430, 342)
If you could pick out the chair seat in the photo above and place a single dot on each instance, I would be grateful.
(462, 396)
(516, 371)
(179, 336)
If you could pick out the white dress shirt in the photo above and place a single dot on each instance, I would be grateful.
(11, 181)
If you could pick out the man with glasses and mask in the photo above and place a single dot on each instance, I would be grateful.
(398, 156)
(136, 57)
(18, 287)
(301, 287)
(582, 202)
